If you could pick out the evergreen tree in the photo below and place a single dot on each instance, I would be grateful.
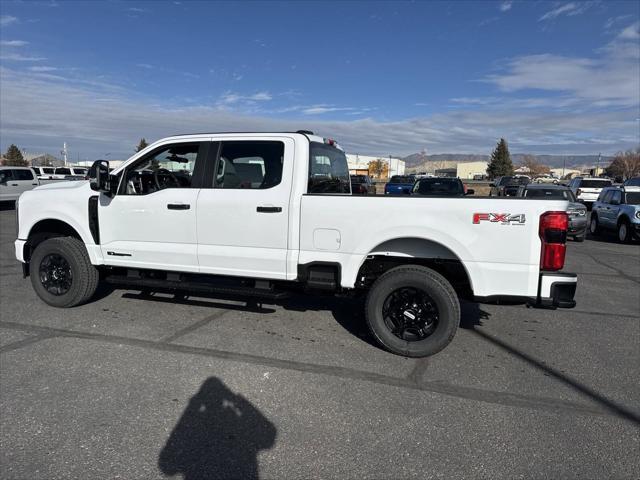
(142, 145)
(14, 157)
(500, 163)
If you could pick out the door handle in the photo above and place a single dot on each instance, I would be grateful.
(14, 184)
(178, 206)
(268, 209)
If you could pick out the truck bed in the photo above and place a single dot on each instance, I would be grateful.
(501, 259)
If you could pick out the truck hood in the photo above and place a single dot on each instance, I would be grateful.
(62, 185)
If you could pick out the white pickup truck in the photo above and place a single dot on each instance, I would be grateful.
(260, 214)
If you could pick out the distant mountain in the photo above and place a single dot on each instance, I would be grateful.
(554, 161)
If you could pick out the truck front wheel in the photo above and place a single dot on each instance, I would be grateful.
(412, 311)
(61, 273)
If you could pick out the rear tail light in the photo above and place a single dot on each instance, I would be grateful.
(553, 235)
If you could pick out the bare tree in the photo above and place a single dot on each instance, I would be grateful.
(625, 164)
(534, 167)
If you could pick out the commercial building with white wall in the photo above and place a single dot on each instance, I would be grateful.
(359, 164)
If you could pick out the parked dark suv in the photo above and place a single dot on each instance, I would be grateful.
(362, 185)
(507, 186)
(440, 187)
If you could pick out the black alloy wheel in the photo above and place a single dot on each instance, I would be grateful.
(55, 274)
(410, 314)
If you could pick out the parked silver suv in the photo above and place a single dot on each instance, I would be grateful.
(618, 209)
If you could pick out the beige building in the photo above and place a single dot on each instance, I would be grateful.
(468, 170)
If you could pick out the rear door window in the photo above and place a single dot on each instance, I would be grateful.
(616, 197)
(63, 171)
(22, 175)
(253, 165)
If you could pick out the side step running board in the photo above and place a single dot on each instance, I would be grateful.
(194, 287)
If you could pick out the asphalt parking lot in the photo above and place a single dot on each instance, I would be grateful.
(137, 387)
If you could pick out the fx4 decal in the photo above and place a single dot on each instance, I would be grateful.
(501, 218)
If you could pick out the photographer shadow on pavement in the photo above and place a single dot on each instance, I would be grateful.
(219, 435)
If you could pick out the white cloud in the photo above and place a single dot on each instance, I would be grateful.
(569, 9)
(40, 111)
(7, 20)
(17, 57)
(43, 69)
(506, 6)
(610, 80)
(632, 32)
(323, 108)
(230, 98)
(611, 21)
(13, 43)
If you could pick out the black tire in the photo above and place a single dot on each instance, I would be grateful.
(72, 255)
(431, 284)
(624, 231)
(594, 225)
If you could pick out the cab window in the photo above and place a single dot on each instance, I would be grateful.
(253, 165)
(328, 170)
(171, 166)
(5, 176)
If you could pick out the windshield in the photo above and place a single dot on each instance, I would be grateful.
(402, 179)
(505, 180)
(595, 183)
(632, 198)
(439, 186)
(328, 170)
(550, 193)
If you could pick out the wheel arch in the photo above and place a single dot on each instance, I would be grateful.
(48, 228)
(623, 218)
(417, 251)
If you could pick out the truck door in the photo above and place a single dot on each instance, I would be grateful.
(151, 221)
(243, 215)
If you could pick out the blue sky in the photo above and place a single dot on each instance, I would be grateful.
(382, 78)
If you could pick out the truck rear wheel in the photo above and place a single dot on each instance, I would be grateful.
(61, 273)
(412, 311)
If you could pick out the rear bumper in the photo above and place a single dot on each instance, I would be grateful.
(556, 290)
